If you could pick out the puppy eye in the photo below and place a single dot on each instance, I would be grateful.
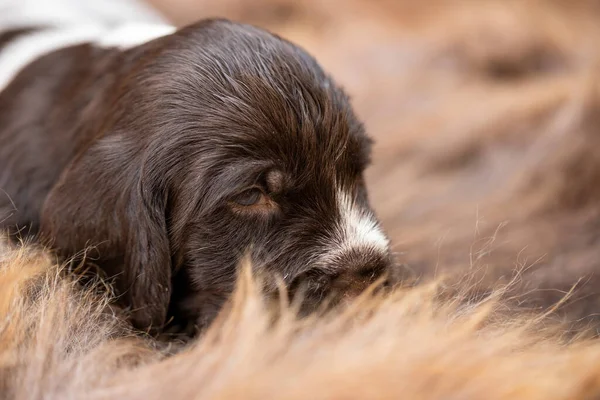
(250, 197)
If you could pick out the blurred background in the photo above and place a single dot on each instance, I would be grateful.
(486, 120)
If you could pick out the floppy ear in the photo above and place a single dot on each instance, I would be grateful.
(113, 198)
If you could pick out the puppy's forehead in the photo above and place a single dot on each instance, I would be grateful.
(262, 97)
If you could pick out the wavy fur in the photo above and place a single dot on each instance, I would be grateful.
(58, 341)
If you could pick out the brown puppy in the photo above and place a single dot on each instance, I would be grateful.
(177, 156)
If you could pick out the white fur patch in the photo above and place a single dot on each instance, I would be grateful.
(60, 13)
(356, 229)
(131, 35)
(24, 50)
(105, 23)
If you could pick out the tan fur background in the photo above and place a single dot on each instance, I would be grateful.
(58, 342)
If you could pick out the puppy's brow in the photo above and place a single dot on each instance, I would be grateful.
(275, 181)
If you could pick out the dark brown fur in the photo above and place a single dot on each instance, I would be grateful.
(147, 148)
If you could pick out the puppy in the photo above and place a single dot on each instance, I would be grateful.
(175, 153)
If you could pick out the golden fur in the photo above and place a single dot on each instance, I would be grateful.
(59, 341)
(55, 339)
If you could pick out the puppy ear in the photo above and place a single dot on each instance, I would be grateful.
(111, 198)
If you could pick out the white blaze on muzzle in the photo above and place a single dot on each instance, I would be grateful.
(356, 230)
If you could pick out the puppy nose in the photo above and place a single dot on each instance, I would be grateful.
(359, 270)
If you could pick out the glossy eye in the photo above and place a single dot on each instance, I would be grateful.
(250, 197)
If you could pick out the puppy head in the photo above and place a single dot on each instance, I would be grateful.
(223, 139)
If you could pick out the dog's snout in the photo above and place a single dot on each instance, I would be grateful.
(343, 277)
(360, 269)
(371, 269)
